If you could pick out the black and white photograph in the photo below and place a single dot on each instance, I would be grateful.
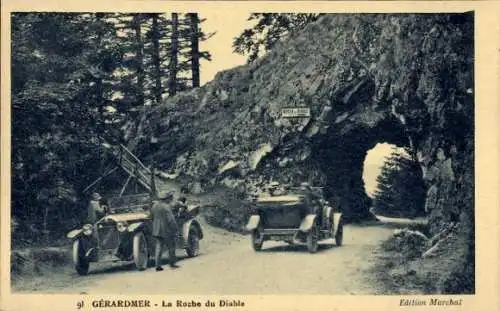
(296, 153)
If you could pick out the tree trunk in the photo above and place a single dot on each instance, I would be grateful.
(45, 231)
(195, 53)
(137, 21)
(156, 59)
(174, 50)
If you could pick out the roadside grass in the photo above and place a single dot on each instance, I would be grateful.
(400, 269)
(30, 267)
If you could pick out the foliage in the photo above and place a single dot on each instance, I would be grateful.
(400, 187)
(74, 85)
(269, 29)
(56, 100)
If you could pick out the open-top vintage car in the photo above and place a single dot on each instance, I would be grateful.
(124, 233)
(296, 218)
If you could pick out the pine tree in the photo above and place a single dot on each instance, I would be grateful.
(400, 188)
(131, 76)
(174, 52)
(137, 20)
(60, 67)
(157, 72)
(270, 28)
(77, 78)
(195, 54)
(190, 36)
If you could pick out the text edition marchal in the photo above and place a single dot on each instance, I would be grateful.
(404, 302)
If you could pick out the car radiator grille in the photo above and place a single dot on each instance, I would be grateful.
(109, 238)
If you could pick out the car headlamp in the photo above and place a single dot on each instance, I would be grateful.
(121, 226)
(87, 229)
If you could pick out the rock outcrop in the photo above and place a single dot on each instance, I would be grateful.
(402, 79)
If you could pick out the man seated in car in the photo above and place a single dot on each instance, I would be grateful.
(180, 206)
(313, 199)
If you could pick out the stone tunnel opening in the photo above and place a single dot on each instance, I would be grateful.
(341, 155)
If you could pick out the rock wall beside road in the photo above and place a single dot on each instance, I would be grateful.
(402, 79)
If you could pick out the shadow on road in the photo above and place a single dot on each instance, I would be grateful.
(296, 248)
(120, 267)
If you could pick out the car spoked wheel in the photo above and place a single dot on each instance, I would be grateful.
(339, 235)
(80, 262)
(140, 251)
(257, 239)
(312, 239)
(193, 243)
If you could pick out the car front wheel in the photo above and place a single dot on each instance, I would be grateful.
(312, 239)
(339, 235)
(257, 239)
(193, 243)
(140, 251)
(80, 262)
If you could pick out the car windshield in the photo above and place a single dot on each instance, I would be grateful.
(282, 200)
(130, 203)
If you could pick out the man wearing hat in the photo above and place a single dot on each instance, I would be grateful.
(164, 228)
(95, 210)
(312, 198)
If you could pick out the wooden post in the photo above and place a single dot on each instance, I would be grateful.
(154, 192)
(100, 178)
(125, 185)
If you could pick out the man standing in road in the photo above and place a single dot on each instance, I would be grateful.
(164, 229)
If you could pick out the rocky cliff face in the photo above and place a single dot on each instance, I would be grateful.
(402, 79)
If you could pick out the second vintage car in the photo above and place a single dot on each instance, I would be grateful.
(298, 217)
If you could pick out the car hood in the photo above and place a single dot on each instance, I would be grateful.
(126, 217)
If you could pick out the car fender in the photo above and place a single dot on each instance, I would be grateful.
(187, 226)
(135, 226)
(253, 223)
(337, 218)
(307, 223)
(73, 234)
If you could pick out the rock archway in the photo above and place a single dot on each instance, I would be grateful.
(402, 79)
(342, 159)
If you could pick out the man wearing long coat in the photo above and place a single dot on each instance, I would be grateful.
(164, 229)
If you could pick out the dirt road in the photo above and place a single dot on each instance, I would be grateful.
(228, 265)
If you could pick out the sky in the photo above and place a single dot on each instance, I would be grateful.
(223, 58)
(220, 45)
(373, 164)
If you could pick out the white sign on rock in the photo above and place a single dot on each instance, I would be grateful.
(295, 112)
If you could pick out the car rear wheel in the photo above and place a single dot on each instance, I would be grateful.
(140, 251)
(339, 235)
(257, 239)
(312, 239)
(79, 261)
(193, 243)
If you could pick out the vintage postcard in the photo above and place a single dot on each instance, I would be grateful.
(250, 155)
